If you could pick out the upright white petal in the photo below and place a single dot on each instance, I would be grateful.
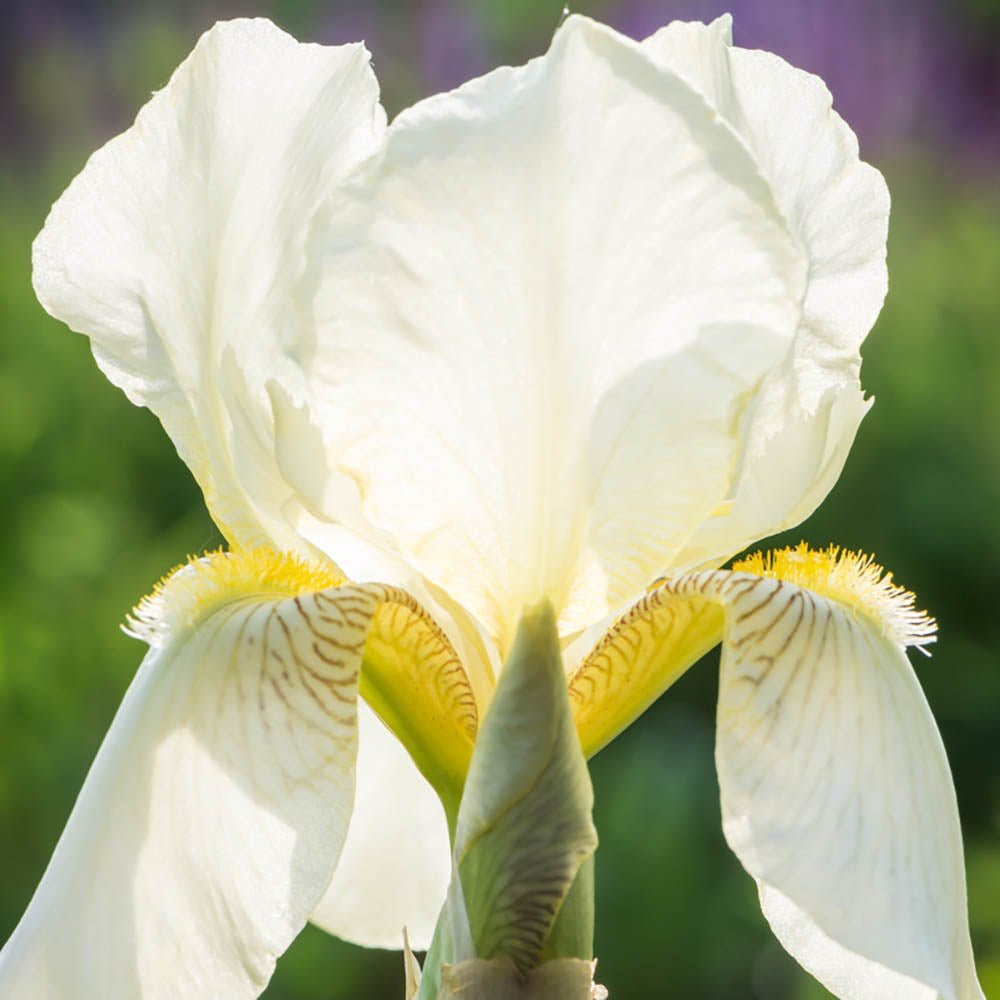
(836, 792)
(215, 812)
(805, 418)
(544, 316)
(397, 859)
(179, 248)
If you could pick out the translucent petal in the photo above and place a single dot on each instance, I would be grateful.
(804, 420)
(214, 814)
(640, 655)
(397, 860)
(544, 314)
(180, 248)
(836, 792)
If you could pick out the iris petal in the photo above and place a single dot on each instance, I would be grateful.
(215, 812)
(544, 313)
(180, 249)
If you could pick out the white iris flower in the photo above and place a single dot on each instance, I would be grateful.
(578, 331)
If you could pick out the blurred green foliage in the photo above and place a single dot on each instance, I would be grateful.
(95, 506)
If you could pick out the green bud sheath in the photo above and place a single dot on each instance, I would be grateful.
(525, 837)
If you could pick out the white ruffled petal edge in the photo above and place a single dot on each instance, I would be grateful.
(179, 249)
(572, 280)
(807, 414)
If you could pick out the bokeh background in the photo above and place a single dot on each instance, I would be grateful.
(95, 505)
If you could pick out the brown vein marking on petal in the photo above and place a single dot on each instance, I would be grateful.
(317, 665)
(638, 658)
(770, 602)
(292, 683)
(415, 681)
(312, 644)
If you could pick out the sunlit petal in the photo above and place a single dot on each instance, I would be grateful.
(215, 812)
(180, 248)
(636, 660)
(544, 314)
(805, 418)
(836, 792)
(418, 686)
(397, 860)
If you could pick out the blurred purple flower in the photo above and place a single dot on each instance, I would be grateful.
(902, 72)
(454, 47)
(899, 71)
(349, 23)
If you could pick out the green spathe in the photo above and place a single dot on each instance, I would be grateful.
(524, 834)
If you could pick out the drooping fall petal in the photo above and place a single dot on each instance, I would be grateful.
(212, 821)
(215, 812)
(837, 796)
(836, 792)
